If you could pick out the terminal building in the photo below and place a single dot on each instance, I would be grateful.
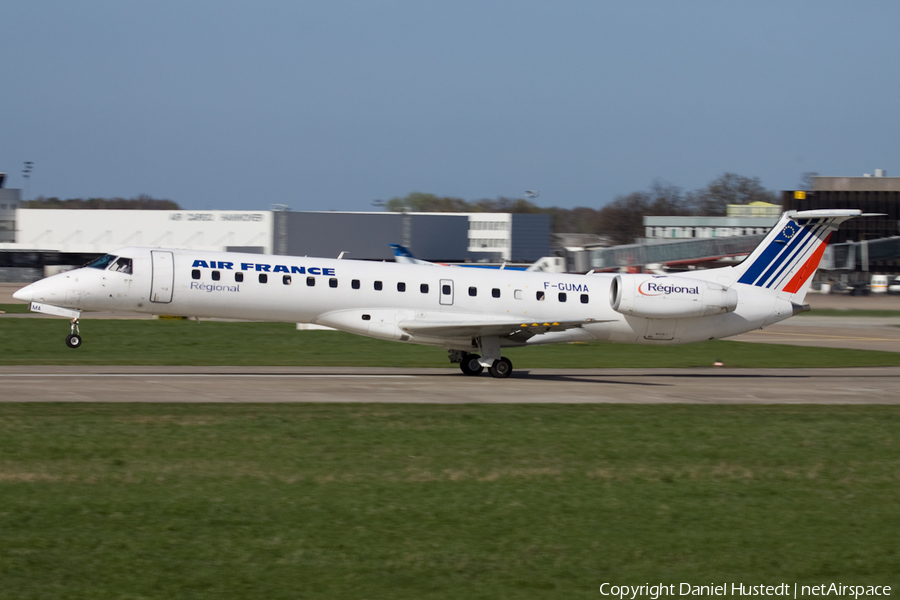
(755, 218)
(438, 237)
(870, 244)
(36, 242)
(9, 203)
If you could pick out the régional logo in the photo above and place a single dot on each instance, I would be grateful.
(653, 288)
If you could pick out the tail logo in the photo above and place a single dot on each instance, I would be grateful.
(798, 246)
(789, 230)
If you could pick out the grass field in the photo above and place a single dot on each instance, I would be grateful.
(162, 342)
(415, 501)
(376, 501)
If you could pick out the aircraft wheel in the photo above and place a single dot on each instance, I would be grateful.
(73, 341)
(501, 369)
(470, 365)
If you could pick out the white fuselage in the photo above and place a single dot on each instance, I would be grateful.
(424, 304)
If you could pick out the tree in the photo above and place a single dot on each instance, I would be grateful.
(806, 180)
(419, 202)
(622, 220)
(713, 200)
(142, 202)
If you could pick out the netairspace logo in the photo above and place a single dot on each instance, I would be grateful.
(784, 590)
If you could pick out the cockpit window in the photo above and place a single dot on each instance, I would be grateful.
(122, 265)
(102, 262)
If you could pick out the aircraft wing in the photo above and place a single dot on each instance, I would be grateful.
(464, 329)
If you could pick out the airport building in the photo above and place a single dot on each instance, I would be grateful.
(9, 203)
(870, 244)
(879, 194)
(368, 235)
(755, 218)
(98, 231)
(35, 239)
(437, 237)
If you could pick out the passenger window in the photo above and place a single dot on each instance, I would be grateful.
(216, 275)
(562, 296)
(355, 284)
(473, 291)
(423, 288)
(378, 286)
(584, 298)
(239, 277)
(445, 290)
(401, 287)
(540, 296)
(495, 292)
(332, 282)
(195, 274)
(286, 280)
(310, 281)
(263, 278)
(517, 294)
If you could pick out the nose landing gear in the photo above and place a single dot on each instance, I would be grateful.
(73, 340)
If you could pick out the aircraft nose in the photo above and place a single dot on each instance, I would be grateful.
(51, 290)
(25, 294)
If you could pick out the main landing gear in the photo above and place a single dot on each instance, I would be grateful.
(469, 364)
(472, 364)
(73, 340)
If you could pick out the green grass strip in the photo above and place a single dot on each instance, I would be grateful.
(420, 502)
(165, 342)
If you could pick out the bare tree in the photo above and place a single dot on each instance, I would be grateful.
(713, 200)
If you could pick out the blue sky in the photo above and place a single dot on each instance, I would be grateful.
(331, 105)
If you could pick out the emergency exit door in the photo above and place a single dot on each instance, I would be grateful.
(163, 277)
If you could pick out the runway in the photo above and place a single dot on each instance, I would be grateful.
(449, 386)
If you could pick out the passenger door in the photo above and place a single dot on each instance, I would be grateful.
(163, 277)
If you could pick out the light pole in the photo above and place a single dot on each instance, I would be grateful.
(26, 173)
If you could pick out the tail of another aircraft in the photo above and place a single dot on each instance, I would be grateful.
(788, 257)
(403, 256)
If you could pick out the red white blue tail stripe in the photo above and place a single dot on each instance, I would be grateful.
(791, 253)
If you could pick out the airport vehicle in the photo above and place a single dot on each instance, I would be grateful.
(879, 284)
(894, 287)
(473, 313)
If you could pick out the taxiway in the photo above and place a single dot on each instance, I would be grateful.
(449, 386)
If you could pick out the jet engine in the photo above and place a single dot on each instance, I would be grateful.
(664, 297)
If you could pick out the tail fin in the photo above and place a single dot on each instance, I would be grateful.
(404, 256)
(788, 257)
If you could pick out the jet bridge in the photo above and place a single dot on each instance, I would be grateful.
(861, 256)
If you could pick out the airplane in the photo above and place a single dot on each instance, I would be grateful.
(403, 255)
(472, 313)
